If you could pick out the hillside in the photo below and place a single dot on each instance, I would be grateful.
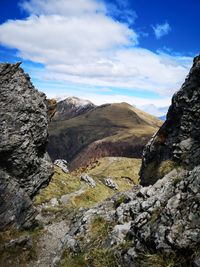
(122, 171)
(107, 130)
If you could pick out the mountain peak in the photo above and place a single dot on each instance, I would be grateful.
(78, 101)
(72, 107)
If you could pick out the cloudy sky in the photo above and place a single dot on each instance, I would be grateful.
(138, 51)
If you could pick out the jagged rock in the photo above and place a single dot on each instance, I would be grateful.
(109, 182)
(52, 107)
(62, 164)
(177, 143)
(168, 221)
(86, 178)
(25, 166)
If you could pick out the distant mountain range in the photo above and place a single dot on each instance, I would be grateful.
(81, 132)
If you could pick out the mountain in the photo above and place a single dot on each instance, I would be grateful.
(72, 107)
(81, 222)
(107, 130)
(156, 225)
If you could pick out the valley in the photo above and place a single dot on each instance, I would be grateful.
(109, 130)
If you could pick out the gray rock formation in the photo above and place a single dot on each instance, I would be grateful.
(62, 164)
(177, 143)
(89, 180)
(110, 183)
(163, 218)
(24, 166)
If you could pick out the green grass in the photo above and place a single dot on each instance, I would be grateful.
(61, 184)
(18, 255)
(161, 259)
(123, 171)
(94, 253)
(118, 168)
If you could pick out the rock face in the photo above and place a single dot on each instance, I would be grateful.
(25, 166)
(177, 143)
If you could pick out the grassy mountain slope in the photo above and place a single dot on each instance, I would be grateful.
(107, 130)
(123, 171)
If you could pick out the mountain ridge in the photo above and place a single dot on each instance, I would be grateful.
(106, 130)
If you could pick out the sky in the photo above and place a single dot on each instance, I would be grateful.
(135, 51)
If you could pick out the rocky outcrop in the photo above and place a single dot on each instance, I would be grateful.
(177, 143)
(25, 166)
(89, 180)
(162, 219)
(62, 164)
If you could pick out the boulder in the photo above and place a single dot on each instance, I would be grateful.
(110, 183)
(62, 164)
(89, 180)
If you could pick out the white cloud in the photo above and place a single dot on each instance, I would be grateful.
(155, 109)
(161, 30)
(62, 7)
(79, 43)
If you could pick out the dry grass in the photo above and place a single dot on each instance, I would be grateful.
(123, 171)
(117, 168)
(163, 260)
(94, 253)
(61, 184)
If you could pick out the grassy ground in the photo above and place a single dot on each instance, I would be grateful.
(123, 171)
(94, 253)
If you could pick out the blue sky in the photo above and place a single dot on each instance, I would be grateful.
(137, 51)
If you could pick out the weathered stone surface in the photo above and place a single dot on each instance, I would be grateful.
(24, 166)
(89, 180)
(177, 143)
(62, 164)
(110, 183)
